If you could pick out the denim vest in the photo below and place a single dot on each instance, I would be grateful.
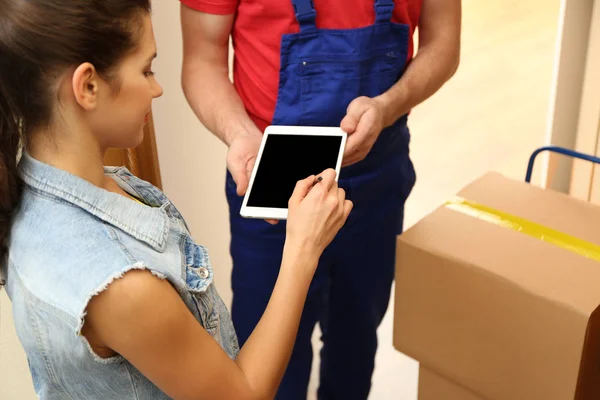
(69, 241)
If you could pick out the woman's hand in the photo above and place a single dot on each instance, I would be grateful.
(317, 211)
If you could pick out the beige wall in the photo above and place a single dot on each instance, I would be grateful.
(192, 163)
(15, 381)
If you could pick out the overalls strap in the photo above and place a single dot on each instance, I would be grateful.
(383, 10)
(305, 14)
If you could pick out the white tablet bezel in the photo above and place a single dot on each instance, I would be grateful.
(282, 213)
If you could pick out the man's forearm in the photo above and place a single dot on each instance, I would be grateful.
(425, 75)
(435, 62)
(215, 101)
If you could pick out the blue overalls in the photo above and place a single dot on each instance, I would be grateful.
(322, 71)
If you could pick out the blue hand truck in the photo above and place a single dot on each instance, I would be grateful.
(558, 150)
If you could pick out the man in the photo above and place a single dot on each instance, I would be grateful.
(345, 63)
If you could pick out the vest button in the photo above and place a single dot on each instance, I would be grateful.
(202, 272)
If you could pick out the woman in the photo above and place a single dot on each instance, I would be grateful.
(112, 298)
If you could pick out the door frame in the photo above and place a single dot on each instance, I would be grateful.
(572, 50)
(585, 180)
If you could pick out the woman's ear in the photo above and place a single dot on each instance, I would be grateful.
(85, 86)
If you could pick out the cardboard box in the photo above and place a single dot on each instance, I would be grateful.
(498, 310)
(434, 387)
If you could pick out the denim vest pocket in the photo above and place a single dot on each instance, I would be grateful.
(198, 280)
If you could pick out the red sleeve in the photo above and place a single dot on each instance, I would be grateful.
(220, 7)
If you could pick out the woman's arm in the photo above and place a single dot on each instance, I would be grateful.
(143, 318)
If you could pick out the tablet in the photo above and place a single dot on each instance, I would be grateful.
(288, 154)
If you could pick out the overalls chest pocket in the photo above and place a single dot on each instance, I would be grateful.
(328, 83)
(199, 279)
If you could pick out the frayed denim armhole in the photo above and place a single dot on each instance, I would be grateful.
(101, 288)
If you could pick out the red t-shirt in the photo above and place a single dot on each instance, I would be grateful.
(257, 32)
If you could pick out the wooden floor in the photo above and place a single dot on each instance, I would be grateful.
(489, 117)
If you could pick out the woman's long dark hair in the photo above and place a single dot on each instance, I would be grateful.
(39, 41)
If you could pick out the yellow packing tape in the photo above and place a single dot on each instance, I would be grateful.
(538, 231)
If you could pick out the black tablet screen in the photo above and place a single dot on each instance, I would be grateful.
(285, 160)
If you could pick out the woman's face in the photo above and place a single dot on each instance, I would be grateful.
(119, 118)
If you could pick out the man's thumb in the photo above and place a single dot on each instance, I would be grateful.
(238, 172)
(349, 123)
(242, 184)
(354, 113)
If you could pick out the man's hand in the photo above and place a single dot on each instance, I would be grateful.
(241, 157)
(436, 61)
(364, 121)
